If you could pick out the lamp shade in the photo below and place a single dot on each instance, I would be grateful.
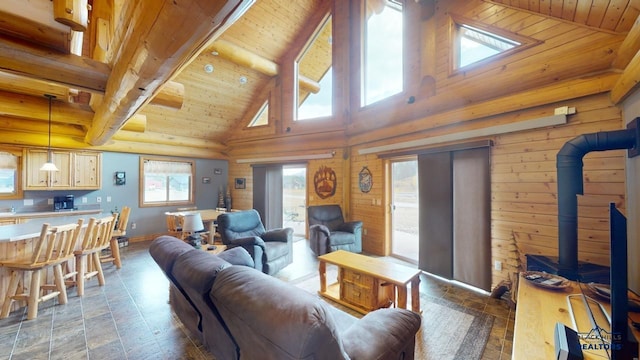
(192, 223)
(49, 166)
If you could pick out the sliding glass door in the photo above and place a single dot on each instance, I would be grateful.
(294, 198)
(404, 209)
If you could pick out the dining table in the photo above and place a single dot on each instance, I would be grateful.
(209, 216)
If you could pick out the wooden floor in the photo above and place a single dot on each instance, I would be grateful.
(130, 318)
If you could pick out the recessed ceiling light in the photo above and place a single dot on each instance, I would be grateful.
(208, 68)
(243, 80)
(214, 53)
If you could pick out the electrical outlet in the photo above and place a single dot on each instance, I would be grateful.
(49, 201)
(108, 198)
(84, 199)
(133, 226)
(498, 265)
(364, 231)
(99, 199)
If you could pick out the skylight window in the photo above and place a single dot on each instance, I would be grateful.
(262, 116)
(476, 45)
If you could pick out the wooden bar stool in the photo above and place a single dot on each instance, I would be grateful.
(97, 237)
(121, 230)
(53, 248)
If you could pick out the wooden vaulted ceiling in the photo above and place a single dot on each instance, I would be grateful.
(246, 54)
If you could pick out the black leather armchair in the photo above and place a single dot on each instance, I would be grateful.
(271, 250)
(329, 232)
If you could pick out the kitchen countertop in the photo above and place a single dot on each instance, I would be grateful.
(33, 228)
(37, 214)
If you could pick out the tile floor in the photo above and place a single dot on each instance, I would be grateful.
(130, 317)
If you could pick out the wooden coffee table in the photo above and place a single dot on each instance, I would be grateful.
(366, 283)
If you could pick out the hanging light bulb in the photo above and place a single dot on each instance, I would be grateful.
(49, 165)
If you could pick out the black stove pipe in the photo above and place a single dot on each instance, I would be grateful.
(570, 184)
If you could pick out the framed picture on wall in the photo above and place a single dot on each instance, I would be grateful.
(240, 183)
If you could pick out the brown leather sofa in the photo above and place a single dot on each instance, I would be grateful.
(247, 314)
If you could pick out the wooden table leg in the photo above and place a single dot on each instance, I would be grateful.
(322, 268)
(402, 297)
(415, 294)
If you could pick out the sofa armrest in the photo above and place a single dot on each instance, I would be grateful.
(237, 256)
(282, 235)
(351, 226)
(320, 228)
(381, 334)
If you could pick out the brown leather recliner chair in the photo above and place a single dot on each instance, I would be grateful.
(271, 250)
(329, 232)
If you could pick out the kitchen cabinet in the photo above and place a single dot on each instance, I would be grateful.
(77, 170)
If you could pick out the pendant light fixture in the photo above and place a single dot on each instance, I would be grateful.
(49, 165)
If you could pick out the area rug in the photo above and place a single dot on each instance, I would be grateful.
(448, 330)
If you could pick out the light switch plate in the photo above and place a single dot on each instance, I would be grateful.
(99, 199)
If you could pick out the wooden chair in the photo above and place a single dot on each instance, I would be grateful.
(53, 248)
(174, 227)
(97, 237)
(121, 230)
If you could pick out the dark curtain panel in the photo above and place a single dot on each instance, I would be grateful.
(455, 234)
(267, 194)
(436, 221)
(471, 218)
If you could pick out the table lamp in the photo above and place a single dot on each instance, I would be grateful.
(192, 224)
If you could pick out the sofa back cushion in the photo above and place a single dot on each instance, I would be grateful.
(271, 319)
(165, 250)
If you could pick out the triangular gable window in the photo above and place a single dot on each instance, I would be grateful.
(262, 116)
(475, 43)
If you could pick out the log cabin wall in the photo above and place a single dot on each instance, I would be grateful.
(523, 188)
(526, 85)
(524, 204)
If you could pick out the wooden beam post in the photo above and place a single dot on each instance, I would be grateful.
(153, 52)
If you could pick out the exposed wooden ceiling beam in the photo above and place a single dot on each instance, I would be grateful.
(21, 138)
(73, 71)
(243, 57)
(37, 108)
(628, 82)
(629, 47)
(30, 86)
(38, 28)
(162, 37)
(36, 71)
(167, 139)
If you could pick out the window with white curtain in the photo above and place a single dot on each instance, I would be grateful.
(166, 182)
(10, 176)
